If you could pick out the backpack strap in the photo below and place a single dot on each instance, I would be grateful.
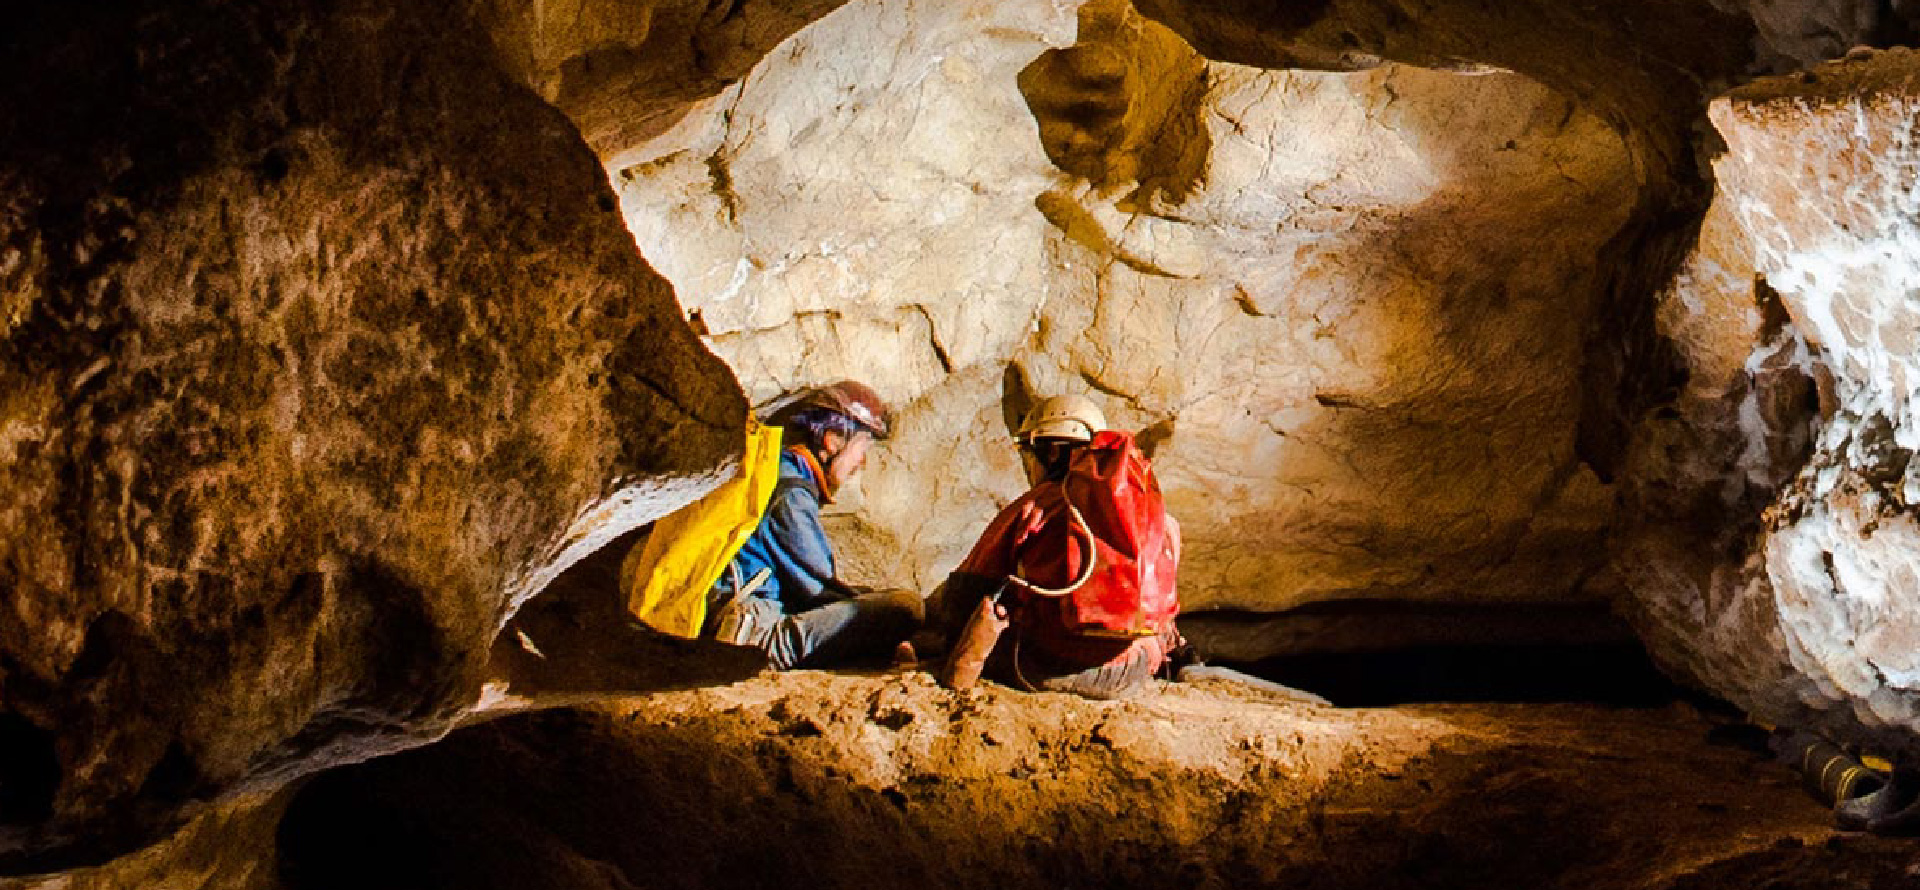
(737, 586)
(817, 483)
(1074, 520)
(786, 484)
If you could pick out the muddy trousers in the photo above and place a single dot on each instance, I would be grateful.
(1029, 667)
(1123, 675)
(861, 627)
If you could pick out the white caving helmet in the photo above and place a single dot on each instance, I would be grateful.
(1074, 418)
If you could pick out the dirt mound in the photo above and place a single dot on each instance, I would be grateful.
(823, 780)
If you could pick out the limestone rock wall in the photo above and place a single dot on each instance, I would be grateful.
(1805, 613)
(624, 70)
(1755, 410)
(321, 349)
(1360, 374)
(1706, 467)
(1646, 67)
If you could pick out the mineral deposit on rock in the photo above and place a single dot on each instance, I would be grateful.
(1805, 612)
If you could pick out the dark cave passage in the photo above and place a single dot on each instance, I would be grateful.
(29, 771)
(1364, 653)
(1613, 674)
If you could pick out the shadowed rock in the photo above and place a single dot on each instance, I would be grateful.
(321, 350)
(841, 781)
(576, 642)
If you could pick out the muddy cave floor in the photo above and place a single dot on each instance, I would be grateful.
(811, 779)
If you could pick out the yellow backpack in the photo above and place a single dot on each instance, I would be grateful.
(666, 577)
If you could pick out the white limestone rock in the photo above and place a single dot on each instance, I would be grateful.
(1360, 372)
(1811, 617)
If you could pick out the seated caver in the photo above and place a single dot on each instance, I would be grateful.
(780, 592)
(1072, 587)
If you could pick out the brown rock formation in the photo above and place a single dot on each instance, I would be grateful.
(229, 846)
(834, 781)
(624, 71)
(321, 350)
(1123, 106)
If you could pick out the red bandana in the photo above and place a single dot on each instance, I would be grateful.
(819, 474)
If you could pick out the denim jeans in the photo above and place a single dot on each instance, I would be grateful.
(868, 625)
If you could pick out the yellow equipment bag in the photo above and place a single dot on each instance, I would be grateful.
(666, 577)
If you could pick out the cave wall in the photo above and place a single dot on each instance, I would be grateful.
(1795, 596)
(1752, 410)
(1345, 357)
(1761, 444)
(624, 71)
(321, 349)
(1360, 376)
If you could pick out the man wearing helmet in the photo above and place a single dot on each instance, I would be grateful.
(1053, 433)
(780, 592)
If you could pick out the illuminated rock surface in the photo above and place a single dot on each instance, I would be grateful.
(1360, 376)
(825, 781)
(859, 781)
(1790, 586)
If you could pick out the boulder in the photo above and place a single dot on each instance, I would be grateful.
(1786, 583)
(322, 349)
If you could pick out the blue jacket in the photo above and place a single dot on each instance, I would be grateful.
(789, 540)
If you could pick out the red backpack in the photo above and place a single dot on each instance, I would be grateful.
(1115, 510)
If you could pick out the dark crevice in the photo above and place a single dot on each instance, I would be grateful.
(1615, 674)
(109, 637)
(332, 809)
(1631, 367)
(176, 777)
(1016, 396)
(30, 772)
(1375, 653)
(1896, 23)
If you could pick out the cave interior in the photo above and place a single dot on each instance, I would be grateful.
(1536, 386)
